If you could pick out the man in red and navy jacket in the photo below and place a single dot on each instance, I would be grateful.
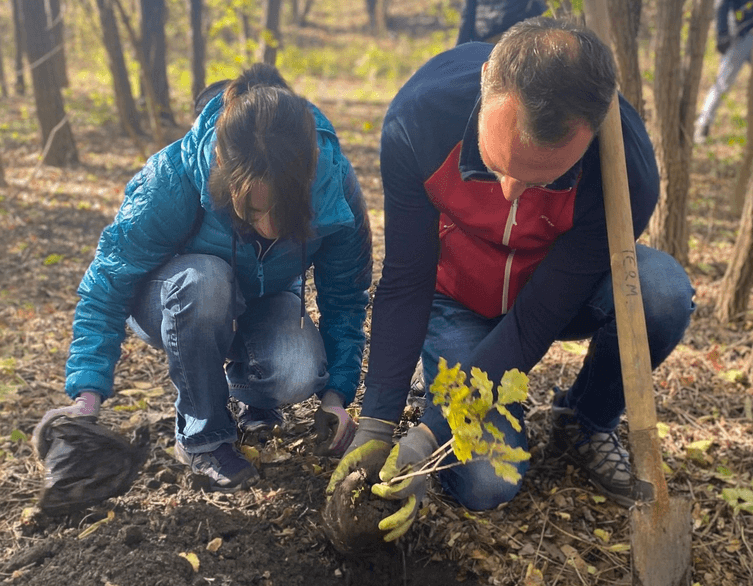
(496, 246)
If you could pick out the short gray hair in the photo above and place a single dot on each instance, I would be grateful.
(561, 73)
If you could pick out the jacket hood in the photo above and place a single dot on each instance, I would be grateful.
(198, 157)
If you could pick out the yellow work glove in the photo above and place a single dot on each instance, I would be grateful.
(369, 448)
(417, 445)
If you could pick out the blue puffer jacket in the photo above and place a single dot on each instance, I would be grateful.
(157, 216)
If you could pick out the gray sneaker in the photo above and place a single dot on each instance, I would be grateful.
(226, 468)
(599, 455)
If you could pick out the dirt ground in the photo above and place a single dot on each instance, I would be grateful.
(166, 531)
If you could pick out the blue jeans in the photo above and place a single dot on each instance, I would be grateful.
(729, 66)
(596, 395)
(185, 308)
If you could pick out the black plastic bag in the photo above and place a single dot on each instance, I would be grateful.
(86, 463)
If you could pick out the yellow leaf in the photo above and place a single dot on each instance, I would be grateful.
(574, 348)
(598, 499)
(192, 558)
(662, 429)
(733, 375)
(251, 454)
(215, 544)
(94, 526)
(700, 445)
(53, 259)
(513, 388)
(533, 577)
(619, 547)
(603, 535)
(149, 392)
(697, 450)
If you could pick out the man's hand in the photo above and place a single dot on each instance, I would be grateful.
(417, 445)
(86, 405)
(333, 426)
(369, 449)
(723, 43)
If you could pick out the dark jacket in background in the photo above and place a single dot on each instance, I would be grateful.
(742, 15)
(483, 19)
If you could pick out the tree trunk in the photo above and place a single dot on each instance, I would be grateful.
(59, 147)
(198, 47)
(127, 112)
(270, 33)
(377, 10)
(57, 36)
(146, 82)
(3, 182)
(738, 279)
(245, 35)
(153, 17)
(299, 13)
(625, 21)
(676, 90)
(3, 81)
(20, 35)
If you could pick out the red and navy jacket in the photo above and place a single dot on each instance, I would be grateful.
(449, 229)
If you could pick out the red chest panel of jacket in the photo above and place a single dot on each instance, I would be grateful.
(490, 247)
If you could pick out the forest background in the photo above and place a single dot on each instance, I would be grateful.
(64, 166)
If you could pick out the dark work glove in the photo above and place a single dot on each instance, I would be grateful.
(333, 426)
(723, 43)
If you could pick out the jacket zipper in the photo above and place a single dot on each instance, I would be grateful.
(511, 221)
(259, 268)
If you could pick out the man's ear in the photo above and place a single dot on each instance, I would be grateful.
(484, 66)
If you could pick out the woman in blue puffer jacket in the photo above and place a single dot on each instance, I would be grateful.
(205, 261)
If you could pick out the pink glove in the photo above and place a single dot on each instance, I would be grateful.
(85, 405)
(333, 426)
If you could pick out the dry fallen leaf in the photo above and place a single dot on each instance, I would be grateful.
(94, 526)
(192, 558)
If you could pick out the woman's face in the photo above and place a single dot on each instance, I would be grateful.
(257, 211)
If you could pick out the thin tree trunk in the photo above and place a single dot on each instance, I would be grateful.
(625, 19)
(20, 37)
(738, 279)
(58, 145)
(57, 34)
(3, 81)
(127, 112)
(300, 14)
(245, 35)
(676, 91)
(270, 35)
(153, 17)
(146, 82)
(377, 10)
(198, 47)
